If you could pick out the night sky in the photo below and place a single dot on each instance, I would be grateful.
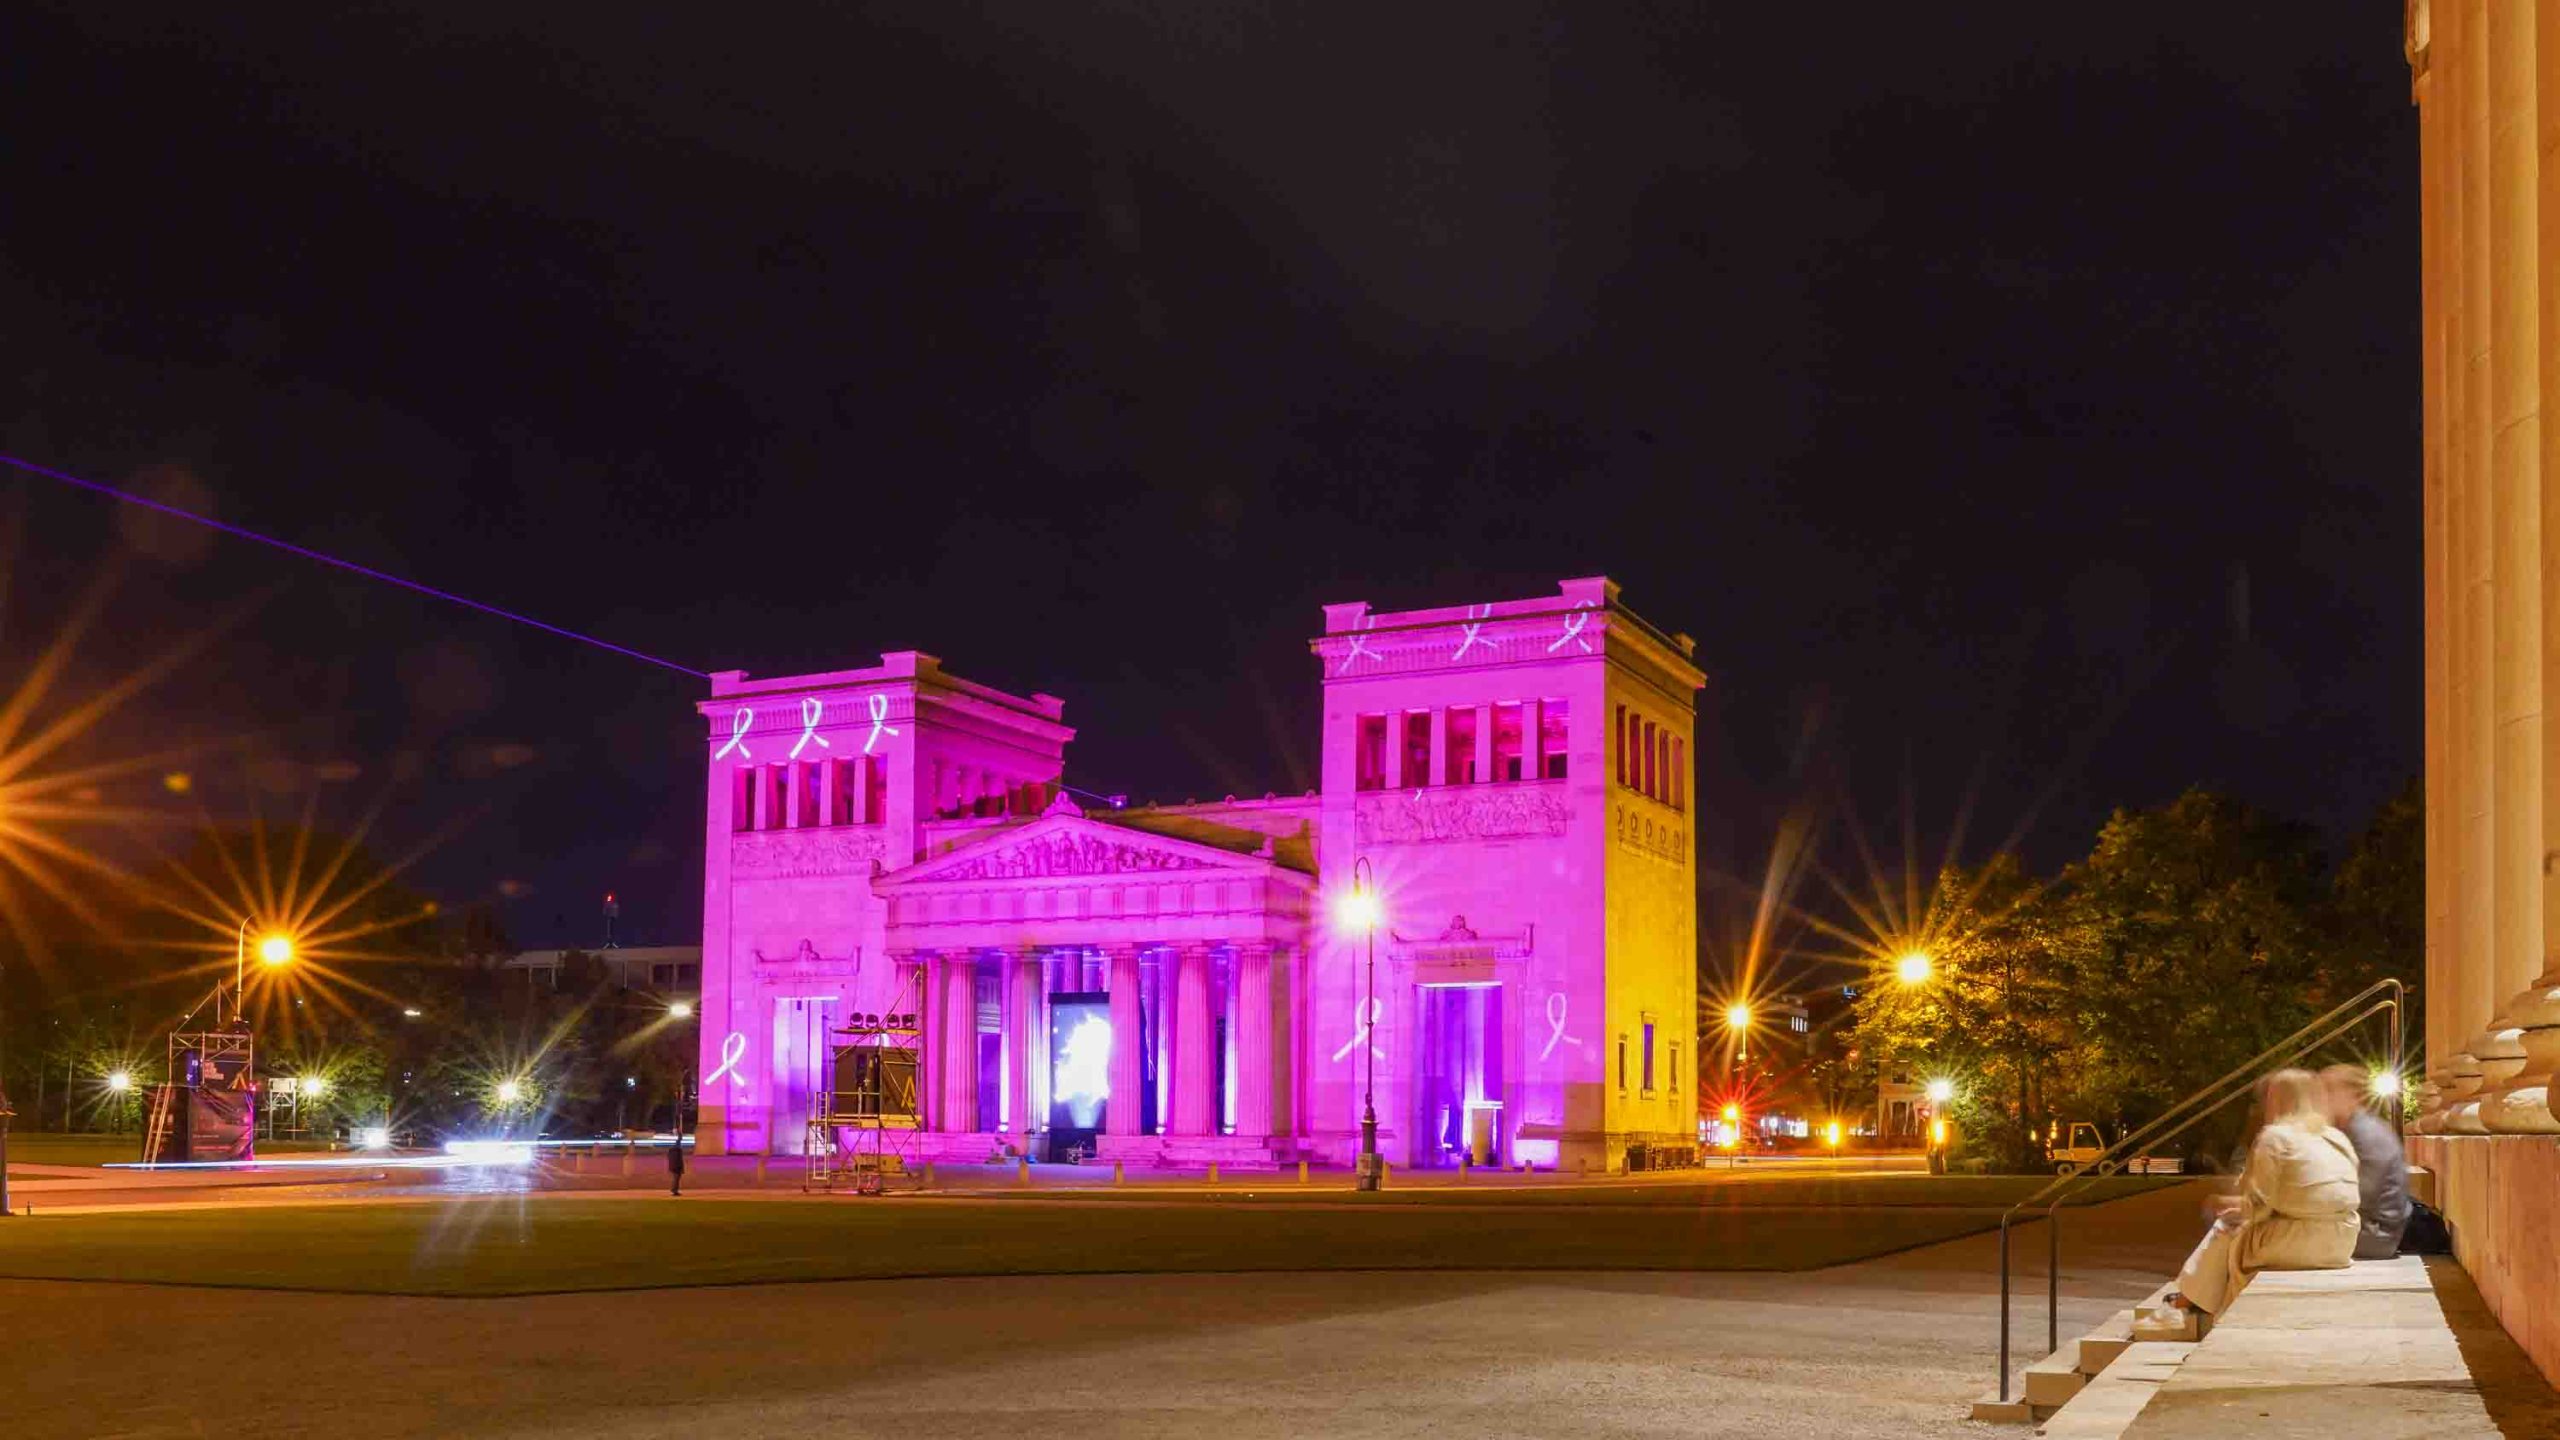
(2020, 407)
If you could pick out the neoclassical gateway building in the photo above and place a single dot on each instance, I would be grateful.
(1170, 985)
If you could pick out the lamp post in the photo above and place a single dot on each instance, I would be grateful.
(1363, 910)
(5, 1110)
(273, 950)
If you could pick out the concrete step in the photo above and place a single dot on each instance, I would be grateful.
(1991, 1409)
(2167, 1322)
(2053, 1380)
(2099, 1348)
(2111, 1402)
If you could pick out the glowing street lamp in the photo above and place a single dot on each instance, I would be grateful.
(1737, 1016)
(1914, 968)
(275, 951)
(1831, 1134)
(1941, 1090)
(2386, 1083)
(508, 1092)
(681, 1010)
(119, 1081)
(1363, 911)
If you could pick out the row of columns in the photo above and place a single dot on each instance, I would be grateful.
(948, 1067)
(2490, 167)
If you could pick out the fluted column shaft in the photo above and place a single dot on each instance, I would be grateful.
(1022, 1047)
(1195, 1036)
(1128, 1059)
(1255, 1076)
(960, 1035)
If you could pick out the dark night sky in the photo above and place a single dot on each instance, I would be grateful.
(2019, 402)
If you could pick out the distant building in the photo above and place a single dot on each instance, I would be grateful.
(676, 969)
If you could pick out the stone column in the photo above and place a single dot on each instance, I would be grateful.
(2473, 718)
(1255, 1077)
(928, 1003)
(827, 792)
(1484, 744)
(2515, 1101)
(1128, 1059)
(1022, 1047)
(1194, 1037)
(2434, 287)
(960, 1037)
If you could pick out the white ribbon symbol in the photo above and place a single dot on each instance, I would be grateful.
(732, 1050)
(1362, 1035)
(879, 723)
(1555, 1026)
(1469, 637)
(1573, 631)
(738, 724)
(811, 707)
(1359, 645)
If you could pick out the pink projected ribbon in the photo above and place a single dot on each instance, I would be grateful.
(879, 723)
(1359, 646)
(1555, 1026)
(1361, 1035)
(732, 1050)
(1573, 631)
(1470, 635)
(738, 724)
(811, 707)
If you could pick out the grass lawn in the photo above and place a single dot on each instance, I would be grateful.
(506, 1246)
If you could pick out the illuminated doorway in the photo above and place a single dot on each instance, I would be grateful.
(1460, 1091)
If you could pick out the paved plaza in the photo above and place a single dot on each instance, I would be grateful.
(1889, 1347)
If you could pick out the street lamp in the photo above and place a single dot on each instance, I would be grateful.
(1941, 1090)
(275, 950)
(1361, 911)
(1913, 968)
(681, 1010)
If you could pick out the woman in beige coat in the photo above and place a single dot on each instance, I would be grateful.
(2296, 1209)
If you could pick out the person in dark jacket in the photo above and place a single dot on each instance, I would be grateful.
(2382, 1167)
(675, 1167)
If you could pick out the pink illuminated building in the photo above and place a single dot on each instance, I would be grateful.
(1168, 985)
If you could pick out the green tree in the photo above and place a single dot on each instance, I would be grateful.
(1994, 1016)
(2377, 914)
(2202, 945)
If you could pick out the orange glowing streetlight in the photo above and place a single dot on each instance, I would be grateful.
(1914, 967)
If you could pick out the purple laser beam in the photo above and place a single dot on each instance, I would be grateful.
(350, 566)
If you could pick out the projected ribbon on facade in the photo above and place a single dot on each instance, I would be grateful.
(879, 723)
(1359, 1037)
(1470, 634)
(732, 1050)
(1359, 645)
(738, 724)
(1555, 1026)
(1573, 630)
(811, 707)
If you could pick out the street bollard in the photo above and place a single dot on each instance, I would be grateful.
(1117, 1174)
(1302, 1172)
(1213, 1172)
(626, 1158)
(928, 1174)
(1022, 1171)
(760, 1164)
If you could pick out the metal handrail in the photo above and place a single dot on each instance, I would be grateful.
(2284, 1052)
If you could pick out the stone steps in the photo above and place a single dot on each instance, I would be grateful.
(2059, 1379)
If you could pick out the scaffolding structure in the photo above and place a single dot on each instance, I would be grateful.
(207, 1109)
(864, 1137)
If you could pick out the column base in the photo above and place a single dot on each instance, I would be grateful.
(1196, 1152)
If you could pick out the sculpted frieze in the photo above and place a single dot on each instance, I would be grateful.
(803, 854)
(1647, 836)
(1066, 853)
(1403, 817)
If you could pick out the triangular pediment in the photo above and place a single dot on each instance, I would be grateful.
(1063, 845)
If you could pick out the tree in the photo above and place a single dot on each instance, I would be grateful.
(2201, 945)
(2377, 913)
(1994, 1014)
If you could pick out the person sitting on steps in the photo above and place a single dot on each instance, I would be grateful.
(2296, 1208)
(2382, 1166)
